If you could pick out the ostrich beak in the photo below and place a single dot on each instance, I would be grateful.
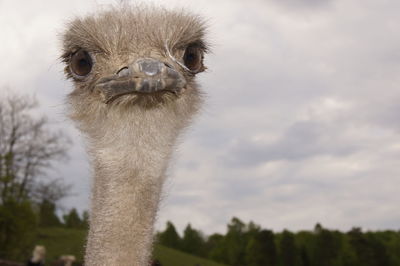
(144, 76)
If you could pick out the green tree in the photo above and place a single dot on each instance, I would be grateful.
(235, 243)
(391, 241)
(304, 257)
(250, 231)
(379, 250)
(72, 219)
(370, 251)
(47, 214)
(18, 224)
(193, 242)
(27, 148)
(327, 247)
(288, 250)
(170, 237)
(261, 250)
(216, 247)
(85, 220)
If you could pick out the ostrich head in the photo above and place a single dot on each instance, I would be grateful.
(133, 59)
(38, 254)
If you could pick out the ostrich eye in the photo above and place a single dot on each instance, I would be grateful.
(193, 58)
(81, 63)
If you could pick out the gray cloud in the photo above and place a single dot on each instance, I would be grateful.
(295, 4)
(310, 89)
(301, 141)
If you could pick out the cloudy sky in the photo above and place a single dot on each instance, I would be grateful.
(301, 123)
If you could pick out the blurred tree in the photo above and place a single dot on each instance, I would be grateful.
(72, 219)
(85, 219)
(305, 248)
(235, 243)
(27, 149)
(52, 191)
(327, 247)
(391, 240)
(170, 237)
(252, 228)
(288, 250)
(261, 250)
(304, 257)
(231, 248)
(47, 214)
(216, 247)
(360, 245)
(18, 225)
(193, 242)
(380, 254)
(370, 251)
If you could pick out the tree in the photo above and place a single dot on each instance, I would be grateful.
(170, 237)
(379, 250)
(72, 219)
(288, 249)
(47, 214)
(370, 251)
(327, 247)
(85, 220)
(52, 191)
(304, 257)
(27, 148)
(235, 242)
(193, 242)
(261, 250)
(18, 224)
(216, 247)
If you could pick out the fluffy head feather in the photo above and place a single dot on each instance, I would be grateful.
(119, 36)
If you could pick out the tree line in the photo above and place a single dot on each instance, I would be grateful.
(29, 148)
(250, 245)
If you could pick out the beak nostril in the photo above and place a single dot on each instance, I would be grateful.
(123, 72)
(149, 66)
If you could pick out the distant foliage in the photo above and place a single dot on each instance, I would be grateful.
(28, 148)
(18, 224)
(47, 214)
(288, 251)
(261, 249)
(170, 237)
(73, 220)
(248, 244)
(193, 242)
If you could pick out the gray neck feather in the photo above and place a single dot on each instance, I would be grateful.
(130, 150)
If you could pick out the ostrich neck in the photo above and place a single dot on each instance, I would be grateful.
(129, 167)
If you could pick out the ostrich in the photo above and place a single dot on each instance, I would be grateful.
(67, 260)
(133, 70)
(38, 256)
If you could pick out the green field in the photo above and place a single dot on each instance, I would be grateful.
(172, 257)
(61, 241)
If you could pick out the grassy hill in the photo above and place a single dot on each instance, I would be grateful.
(62, 241)
(172, 257)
